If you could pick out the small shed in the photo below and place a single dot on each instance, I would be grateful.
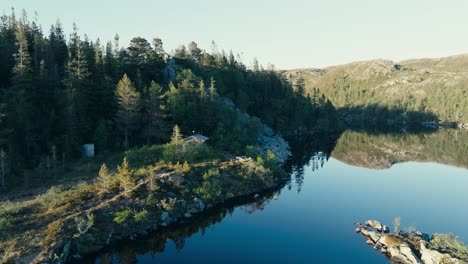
(196, 138)
(88, 150)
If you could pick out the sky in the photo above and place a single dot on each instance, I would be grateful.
(287, 33)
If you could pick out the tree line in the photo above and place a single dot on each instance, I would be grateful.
(59, 92)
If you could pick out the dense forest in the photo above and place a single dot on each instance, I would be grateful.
(58, 92)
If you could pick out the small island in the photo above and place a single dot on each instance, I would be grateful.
(411, 246)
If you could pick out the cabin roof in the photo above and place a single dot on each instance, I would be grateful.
(197, 137)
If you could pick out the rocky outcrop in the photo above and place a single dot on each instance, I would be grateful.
(463, 125)
(404, 247)
(268, 140)
(430, 256)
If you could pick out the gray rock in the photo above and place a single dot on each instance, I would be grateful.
(267, 138)
(188, 215)
(429, 256)
(200, 203)
(374, 236)
(398, 256)
(409, 254)
(374, 224)
(166, 219)
(193, 210)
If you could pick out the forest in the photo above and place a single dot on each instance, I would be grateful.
(58, 92)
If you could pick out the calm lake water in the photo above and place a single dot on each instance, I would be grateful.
(421, 178)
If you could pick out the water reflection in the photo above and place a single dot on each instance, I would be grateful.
(381, 151)
(128, 251)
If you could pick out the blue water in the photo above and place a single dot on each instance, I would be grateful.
(315, 225)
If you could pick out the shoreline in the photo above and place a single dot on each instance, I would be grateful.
(195, 210)
(208, 212)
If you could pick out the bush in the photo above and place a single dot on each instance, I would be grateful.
(449, 243)
(52, 198)
(140, 216)
(5, 224)
(9, 208)
(122, 216)
(211, 188)
(145, 155)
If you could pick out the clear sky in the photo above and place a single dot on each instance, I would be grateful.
(287, 33)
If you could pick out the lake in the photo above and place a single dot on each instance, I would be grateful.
(335, 181)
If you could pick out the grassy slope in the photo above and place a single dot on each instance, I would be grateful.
(428, 85)
(39, 225)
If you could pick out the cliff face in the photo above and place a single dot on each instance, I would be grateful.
(438, 86)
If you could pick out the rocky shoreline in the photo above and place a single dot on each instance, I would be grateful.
(184, 213)
(406, 247)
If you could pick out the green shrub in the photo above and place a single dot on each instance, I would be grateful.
(449, 243)
(140, 216)
(210, 188)
(52, 198)
(121, 217)
(9, 208)
(5, 224)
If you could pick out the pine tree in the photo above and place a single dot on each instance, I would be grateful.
(194, 51)
(174, 101)
(104, 178)
(212, 90)
(176, 138)
(128, 100)
(202, 90)
(125, 176)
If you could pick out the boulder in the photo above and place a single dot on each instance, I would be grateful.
(374, 236)
(429, 256)
(374, 224)
(409, 254)
(200, 203)
(165, 219)
(403, 255)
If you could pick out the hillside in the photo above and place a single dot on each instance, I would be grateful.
(422, 86)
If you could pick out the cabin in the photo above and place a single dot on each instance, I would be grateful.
(196, 138)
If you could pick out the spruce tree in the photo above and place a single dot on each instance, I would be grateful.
(155, 114)
(20, 108)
